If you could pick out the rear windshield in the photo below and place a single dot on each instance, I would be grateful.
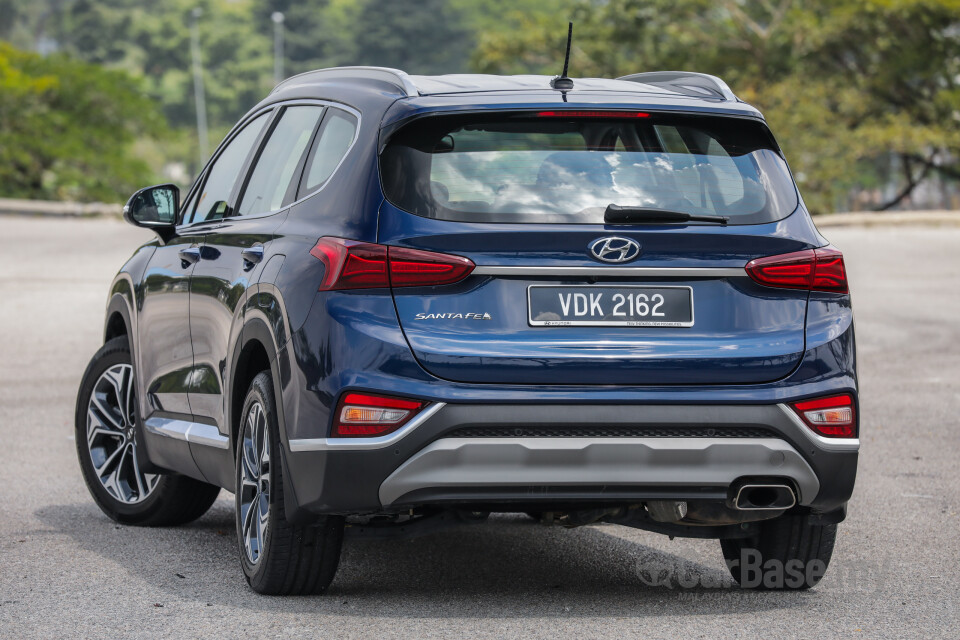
(567, 168)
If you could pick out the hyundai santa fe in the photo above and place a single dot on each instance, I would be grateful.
(391, 304)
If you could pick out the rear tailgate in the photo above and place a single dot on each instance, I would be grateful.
(481, 330)
(525, 195)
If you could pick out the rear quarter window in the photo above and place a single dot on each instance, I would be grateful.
(336, 135)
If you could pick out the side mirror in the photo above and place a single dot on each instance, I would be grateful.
(154, 208)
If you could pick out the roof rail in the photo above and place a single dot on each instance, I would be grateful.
(688, 83)
(399, 79)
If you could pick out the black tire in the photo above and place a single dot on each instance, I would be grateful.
(173, 499)
(789, 553)
(290, 559)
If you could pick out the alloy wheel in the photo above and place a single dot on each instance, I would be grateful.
(254, 482)
(112, 438)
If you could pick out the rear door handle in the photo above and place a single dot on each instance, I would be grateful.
(252, 256)
(189, 256)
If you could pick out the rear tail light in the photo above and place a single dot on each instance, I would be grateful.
(363, 415)
(351, 265)
(361, 265)
(415, 268)
(812, 269)
(832, 417)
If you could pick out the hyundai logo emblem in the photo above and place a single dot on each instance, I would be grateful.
(615, 249)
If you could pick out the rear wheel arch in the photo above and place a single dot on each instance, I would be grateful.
(253, 353)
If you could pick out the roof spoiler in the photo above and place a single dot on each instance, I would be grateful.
(688, 83)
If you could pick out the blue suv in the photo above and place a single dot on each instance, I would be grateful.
(391, 304)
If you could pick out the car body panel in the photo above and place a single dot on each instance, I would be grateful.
(219, 288)
(784, 345)
(166, 354)
(743, 332)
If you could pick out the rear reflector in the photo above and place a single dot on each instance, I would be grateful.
(832, 417)
(592, 114)
(360, 415)
(361, 265)
(812, 269)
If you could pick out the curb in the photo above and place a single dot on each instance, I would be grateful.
(10, 206)
(896, 218)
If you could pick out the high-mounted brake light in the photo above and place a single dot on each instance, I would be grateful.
(361, 415)
(362, 265)
(812, 269)
(832, 417)
(592, 114)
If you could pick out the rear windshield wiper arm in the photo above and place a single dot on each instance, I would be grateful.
(615, 214)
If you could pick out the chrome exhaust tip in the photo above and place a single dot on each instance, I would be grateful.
(757, 497)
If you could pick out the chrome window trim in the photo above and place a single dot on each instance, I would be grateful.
(359, 444)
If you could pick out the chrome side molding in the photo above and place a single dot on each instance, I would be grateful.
(192, 432)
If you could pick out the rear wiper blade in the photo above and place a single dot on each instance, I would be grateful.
(615, 214)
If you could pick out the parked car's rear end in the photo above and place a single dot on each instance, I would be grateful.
(393, 304)
(681, 361)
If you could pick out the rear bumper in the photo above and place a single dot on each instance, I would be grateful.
(482, 466)
(678, 451)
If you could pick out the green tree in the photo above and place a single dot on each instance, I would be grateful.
(844, 83)
(153, 40)
(66, 128)
(309, 32)
(419, 36)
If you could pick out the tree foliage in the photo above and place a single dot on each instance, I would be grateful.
(66, 128)
(844, 83)
(855, 89)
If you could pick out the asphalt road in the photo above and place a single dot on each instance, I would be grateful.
(68, 571)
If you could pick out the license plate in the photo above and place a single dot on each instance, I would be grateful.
(609, 306)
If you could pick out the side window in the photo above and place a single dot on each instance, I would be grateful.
(336, 135)
(279, 160)
(190, 204)
(212, 203)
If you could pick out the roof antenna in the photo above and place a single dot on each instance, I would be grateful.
(562, 82)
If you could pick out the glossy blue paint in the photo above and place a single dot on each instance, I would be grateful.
(743, 332)
(749, 344)
(352, 341)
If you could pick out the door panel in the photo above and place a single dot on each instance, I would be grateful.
(218, 292)
(225, 273)
(218, 286)
(166, 356)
